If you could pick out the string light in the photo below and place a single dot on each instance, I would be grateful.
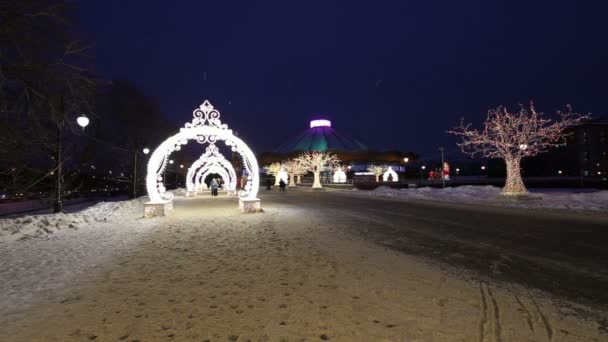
(206, 128)
(315, 162)
(513, 136)
(390, 173)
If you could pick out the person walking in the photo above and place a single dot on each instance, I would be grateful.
(214, 186)
(282, 185)
(268, 183)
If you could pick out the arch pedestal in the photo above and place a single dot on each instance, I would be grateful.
(205, 128)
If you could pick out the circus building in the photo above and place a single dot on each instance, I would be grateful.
(321, 135)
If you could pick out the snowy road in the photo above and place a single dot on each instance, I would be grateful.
(312, 267)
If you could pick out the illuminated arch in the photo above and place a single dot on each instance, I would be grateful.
(227, 173)
(206, 128)
(211, 170)
(339, 176)
(390, 172)
(212, 156)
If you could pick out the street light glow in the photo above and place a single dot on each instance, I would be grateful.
(82, 121)
(405, 160)
(423, 167)
(146, 150)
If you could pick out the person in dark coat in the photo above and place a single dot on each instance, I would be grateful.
(282, 185)
(268, 183)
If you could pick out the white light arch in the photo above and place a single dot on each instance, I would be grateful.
(390, 172)
(206, 127)
(208, 171)
(227, 173)
(339, 176)
(212, 156)
(283, 175)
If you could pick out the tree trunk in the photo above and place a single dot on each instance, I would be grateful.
(377, 178)
(299, 179)
(292, 180)
(317, 182)
(276, 179)
(514, 184)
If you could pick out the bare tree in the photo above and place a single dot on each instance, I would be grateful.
(317, 161)
(513, 136)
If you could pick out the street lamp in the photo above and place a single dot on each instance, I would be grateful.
(181, 166)
(146, 150)
(406, 159)
(559, 172)
(171, 161)
(82, 121)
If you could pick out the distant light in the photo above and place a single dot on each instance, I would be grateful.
(483, 167)
(320, 123)
(523, 146)
(423, 167)
(364, 173)
(82, 121)
(406, 159)
(457, 170)
(560, 172)
(171, 161)
(181, 166)
(110, 172)
(146, 150)
(599, 173)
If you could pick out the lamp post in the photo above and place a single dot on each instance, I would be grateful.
(422, 168)
(441, 169)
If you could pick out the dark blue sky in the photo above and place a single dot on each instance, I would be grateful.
(395, 74)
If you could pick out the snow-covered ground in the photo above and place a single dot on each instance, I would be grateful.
(576, 199)
(212, 273)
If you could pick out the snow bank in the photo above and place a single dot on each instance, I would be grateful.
(38, 225)
(576, 199)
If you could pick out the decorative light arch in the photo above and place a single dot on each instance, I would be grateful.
(208, 171)
(226, 171)
(206, 128)
(390, 172)
(212, 156)
(339, 176)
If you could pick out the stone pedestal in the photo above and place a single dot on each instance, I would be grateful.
(154, 209)
(250, 205)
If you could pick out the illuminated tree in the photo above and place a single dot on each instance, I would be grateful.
(315, 162)
(513, 136)
(294, 168)
(274, 170)
(378, 171)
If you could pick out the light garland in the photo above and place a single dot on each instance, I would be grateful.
(513, 136)
(205, 127)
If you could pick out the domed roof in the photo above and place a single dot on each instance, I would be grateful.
(321, 137)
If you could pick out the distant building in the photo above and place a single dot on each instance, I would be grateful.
(321, 136)
(589, 142)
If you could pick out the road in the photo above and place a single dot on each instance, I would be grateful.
(563, 253)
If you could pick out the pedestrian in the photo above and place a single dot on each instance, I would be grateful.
(214, 186)
(268, 183)
(282, 185)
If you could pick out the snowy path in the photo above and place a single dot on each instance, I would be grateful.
(210, 273)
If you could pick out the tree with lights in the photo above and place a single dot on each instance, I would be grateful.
(377, 170)
(294, 168)
(315, 162)
(274, 170)
(513, 136)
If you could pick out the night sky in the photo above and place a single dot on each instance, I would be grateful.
(394, 74)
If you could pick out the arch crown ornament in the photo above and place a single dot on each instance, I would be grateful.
(205, 128)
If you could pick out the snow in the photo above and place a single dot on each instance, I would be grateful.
(573, 199)
(39, 225)
(210, 272)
